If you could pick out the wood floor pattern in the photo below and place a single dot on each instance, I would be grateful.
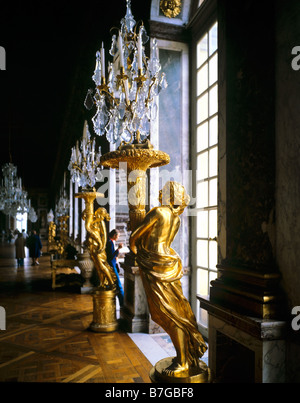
(47, 338)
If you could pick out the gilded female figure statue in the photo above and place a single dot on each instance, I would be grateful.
(161, 271)
(97, 237)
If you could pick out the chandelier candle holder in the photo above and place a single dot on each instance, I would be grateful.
(84, 165)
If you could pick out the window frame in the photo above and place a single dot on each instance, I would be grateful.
(203, 19)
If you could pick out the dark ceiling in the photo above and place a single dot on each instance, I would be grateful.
(50, 57)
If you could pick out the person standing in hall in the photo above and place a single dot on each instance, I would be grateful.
(35, 246)
(25, 235)
(112, 255)
(20, 249)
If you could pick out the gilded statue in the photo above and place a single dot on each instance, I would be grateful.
(161, 271)
(96, 241)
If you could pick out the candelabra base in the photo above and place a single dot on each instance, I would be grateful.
(104, 314)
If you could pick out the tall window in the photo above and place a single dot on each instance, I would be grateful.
(206, 160)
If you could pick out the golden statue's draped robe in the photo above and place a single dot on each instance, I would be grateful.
(161, 271)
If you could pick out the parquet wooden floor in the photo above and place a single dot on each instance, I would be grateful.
(47, 338)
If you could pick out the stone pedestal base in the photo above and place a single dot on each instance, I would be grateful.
(195, 376)
(104, 314)
(244, 348)
(135, 314)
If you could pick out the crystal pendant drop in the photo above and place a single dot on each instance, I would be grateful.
(98, 123)
(128, 22)
(124, 133)
(89, 102)
(110, 131)
(97, 73)
(145, 37)
(113, 49)
(112, 127)
(122, 110)
(98, 176)
(163, 83)
(154, 64)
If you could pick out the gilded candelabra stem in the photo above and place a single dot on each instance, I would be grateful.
(51, 237)
(51, 232)
(139, 158)
(97, 237)
(62, 243)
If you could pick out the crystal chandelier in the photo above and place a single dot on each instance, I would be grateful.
(13, 199)
(62, 207)
(50, 216)
(84, 165)
(32, 216)
(125, 102)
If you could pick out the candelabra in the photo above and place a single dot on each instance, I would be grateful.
(84, 165)
(125, 104)
(125, 101)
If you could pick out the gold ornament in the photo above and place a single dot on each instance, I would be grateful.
(170, 8)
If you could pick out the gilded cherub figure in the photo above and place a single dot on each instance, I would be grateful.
(161, 271)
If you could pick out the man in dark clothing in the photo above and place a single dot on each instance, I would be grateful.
(34, 245)
(111, 254)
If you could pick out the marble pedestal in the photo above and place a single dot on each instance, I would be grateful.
(135, 314)
(244, 348)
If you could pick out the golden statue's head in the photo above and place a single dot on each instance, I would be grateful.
(173, 194)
